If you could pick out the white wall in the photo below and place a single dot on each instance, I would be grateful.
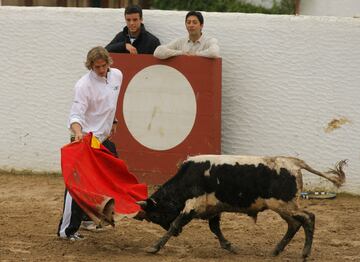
(349, 8)
(284, 79)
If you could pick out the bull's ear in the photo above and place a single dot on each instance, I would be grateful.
(142, 204)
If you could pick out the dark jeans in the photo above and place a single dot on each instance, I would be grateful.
(111, 146)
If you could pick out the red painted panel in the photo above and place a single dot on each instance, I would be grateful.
(204, 75)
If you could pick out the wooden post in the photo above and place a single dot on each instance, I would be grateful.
(28, 3)
(61, 3)
(297, 7)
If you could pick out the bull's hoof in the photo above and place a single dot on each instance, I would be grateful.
(277, 250)
(306, 253)
(275, 253)
(305, 257)
(152, 250)
(177, 232)
(229, 247)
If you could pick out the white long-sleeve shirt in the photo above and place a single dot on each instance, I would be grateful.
(95, 101)
(204, 46)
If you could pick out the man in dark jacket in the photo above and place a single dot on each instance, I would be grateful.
(134, 38)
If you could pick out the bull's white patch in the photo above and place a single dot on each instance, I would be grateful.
(201, 203)
(258, 205)
(207, 172)
(282, 207)
(293, 165)
(288, 208)
(228, 159)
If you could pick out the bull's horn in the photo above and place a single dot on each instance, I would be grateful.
(142, 204)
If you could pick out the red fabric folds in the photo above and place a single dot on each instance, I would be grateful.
(95, 178)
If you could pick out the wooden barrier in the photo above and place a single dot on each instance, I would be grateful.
(153, 155)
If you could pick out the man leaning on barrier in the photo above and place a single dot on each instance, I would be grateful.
(134, 38)
(196, 43)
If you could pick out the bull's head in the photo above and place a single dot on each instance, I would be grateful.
(162, 214)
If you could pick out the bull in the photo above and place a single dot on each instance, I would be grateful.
(207, 185)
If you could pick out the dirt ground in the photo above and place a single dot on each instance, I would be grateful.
(31, 206)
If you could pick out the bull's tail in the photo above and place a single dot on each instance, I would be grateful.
(336, 175)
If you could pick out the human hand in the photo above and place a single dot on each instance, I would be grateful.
(131, 49)
(77, 131)
(78, 136)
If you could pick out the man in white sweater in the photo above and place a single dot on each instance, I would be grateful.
(195, 44)
(93, 110)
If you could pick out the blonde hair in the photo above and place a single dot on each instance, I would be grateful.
(96, 53)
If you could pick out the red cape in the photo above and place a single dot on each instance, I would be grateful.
(96, 179)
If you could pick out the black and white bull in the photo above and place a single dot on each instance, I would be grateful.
(207, 185)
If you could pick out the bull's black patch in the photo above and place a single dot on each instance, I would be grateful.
(236, 185)
(240, 185)
(171, 197)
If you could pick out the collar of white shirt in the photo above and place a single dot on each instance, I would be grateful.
(99, 78)
(197, 41)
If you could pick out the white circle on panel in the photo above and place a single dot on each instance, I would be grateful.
(159, 107)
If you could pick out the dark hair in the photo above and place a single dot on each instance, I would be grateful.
(133, 9)
(197, 14)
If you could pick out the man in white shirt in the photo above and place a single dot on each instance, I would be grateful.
(195, 44)
(93, 110)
